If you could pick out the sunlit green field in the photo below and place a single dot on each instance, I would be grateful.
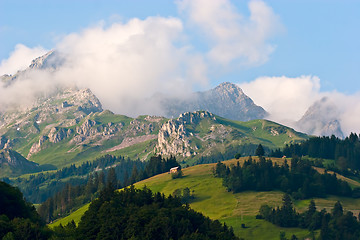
(214, 201)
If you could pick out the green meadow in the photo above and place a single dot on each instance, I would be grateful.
(236, 210)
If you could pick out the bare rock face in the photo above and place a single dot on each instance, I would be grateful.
(57, 134)
(226, 100)
(51, 116)
(48, 60)
(86, 128)
(36, 147)
(88, 101)
(321, 119)
(175, 139)
(137, 127)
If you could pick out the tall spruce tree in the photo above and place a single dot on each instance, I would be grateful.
(259, 151)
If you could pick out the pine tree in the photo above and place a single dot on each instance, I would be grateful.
(112, 179)
(337, 210)
(259, 151)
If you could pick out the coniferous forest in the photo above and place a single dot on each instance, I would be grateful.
(127, 214)
(345, 152)
(18, 218)
(335, 225)
(72, 197)
(300, 180)
(140, 214)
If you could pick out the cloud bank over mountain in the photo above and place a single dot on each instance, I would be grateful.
(20, 59)
(287, 99)
(128, 62)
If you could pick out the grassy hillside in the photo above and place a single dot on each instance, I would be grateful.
(213, 200)
(202, 137)
(67, 152)
(270, 134)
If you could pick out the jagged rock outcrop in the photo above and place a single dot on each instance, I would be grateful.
(51, 112)
(88, 101)
(175, 139)
(58, 134)
(36, 147)
(86, 128)
(226, 100)
(321, 119)
(48, 60)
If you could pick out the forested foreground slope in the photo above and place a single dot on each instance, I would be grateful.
(210, 197)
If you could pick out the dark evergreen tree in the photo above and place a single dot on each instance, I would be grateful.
(18, 218)
(140, 214)
(259, 151)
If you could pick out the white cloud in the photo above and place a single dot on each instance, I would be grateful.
(287, 99)
(234, 37)
(124, 64)
(349, 111)
(20, 59)
(127, 63)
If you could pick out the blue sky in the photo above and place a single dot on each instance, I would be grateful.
(284, 54)
(320, 38)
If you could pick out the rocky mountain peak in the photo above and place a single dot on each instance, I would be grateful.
(175, 139)
(229, 88)
(321, 119)
(226, 100)
(40, 62)
(194, 117)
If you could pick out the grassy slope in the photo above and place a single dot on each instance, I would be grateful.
(261, 131)
(212, 199)
(76, 216)
(63, 154)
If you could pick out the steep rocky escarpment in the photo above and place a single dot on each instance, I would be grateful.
(178, 137)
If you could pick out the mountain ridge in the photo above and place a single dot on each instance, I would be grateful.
(12, 164)
(227, 100)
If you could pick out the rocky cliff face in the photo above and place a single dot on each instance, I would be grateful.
(321, 119)
(49, 119)
(226, 100)
(175, 139)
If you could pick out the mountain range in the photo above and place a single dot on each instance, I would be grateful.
(226, 100)
(70, 125)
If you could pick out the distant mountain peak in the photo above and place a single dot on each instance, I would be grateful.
(226, 100)
(50, 60)
(39, 61)
(229, 86)
(321, 119)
